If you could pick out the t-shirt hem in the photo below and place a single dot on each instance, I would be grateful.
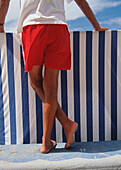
(19, 30)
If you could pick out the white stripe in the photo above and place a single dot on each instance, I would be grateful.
(107, 85)
(70, 86)
(83, 110)
(58, 125)
(119, 85)
(5, 88)
(95, 90)
(18, 92)
(32, 113)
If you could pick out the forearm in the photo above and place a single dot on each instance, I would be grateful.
(4, 4)
(3, 9)
(88, 13)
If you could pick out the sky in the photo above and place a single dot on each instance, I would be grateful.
(107, 13)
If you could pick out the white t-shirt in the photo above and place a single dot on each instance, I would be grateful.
(41, 12)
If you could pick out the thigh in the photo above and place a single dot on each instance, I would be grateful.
(36, 74)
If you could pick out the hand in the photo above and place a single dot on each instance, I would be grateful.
(101, 29)
(1, 29)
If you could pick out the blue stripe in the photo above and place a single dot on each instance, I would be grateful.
(2, 128)
(76, 83)
(25, 102)
(10, 63)
(114, 85)
(64, 95)
(89, 85)
(101, 86)
(39, 119)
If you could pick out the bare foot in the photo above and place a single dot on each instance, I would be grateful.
(46, 149)
(70, 135)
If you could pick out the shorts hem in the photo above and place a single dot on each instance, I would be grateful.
(58, 68)
(29, 69)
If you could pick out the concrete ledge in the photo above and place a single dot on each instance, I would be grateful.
(87, 155)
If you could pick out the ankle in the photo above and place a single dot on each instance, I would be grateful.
(70, 123)
(68, 126)
(45, 141)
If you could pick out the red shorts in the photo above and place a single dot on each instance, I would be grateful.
(47, 44)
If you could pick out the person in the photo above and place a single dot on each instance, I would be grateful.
(46, 41)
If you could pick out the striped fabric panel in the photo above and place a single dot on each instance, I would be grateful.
(18, 92)
(89, 85)
(118, 85)
(114, 85)
(107, 85)
(76, 74)
(90, 93)
(2, 127)
(10, 65)
(5, 131)
(83, 108)
(95, 86)
(101, 86)
(59, 131)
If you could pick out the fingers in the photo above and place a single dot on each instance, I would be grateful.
(1, 29)
(101, 29)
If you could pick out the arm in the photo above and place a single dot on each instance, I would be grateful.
(4, 4)
(89, 14)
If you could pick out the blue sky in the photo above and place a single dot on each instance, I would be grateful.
(107, 12)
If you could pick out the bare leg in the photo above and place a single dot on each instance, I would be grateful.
(37, 83)
(50, 86)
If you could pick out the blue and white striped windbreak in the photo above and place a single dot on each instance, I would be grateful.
(90, 93)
